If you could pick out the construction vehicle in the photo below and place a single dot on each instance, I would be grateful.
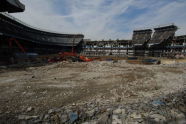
(70, 56)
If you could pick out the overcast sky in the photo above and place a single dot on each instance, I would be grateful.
(103, 19)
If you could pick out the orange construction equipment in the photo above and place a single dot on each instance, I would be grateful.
(64, 55)
(18, 44)
(85, 59)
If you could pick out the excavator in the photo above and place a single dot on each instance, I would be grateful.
(70, 56)
(74, 56)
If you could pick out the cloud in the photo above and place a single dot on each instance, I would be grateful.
(103, 19)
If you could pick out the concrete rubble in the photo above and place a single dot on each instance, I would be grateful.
(94, 93)
(173, 111)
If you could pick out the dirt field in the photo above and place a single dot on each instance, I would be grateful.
(61, 84)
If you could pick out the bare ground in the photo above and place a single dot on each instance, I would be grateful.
(61, 84)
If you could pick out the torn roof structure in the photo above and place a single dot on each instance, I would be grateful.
(11, 6)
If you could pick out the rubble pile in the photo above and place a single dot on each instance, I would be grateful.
(167, 109)
(95, 92)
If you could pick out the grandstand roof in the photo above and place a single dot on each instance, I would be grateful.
(11, 6)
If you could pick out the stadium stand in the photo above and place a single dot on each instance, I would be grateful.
(11, 6)
(162, 34)
(141, 36)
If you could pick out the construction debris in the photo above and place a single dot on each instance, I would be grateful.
(69, 56)
(94, 92)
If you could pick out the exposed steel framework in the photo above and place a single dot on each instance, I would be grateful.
(161, 41)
